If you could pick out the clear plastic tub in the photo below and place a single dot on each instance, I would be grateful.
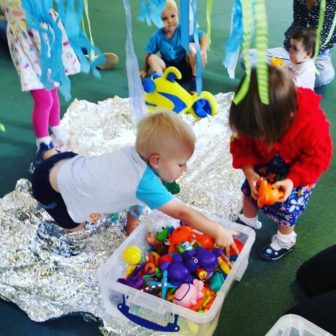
(153, 312)
(295, 325)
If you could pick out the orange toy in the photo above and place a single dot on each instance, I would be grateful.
(268, 193)
(179, 235)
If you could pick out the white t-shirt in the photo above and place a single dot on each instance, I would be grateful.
(303, 74)
(109, 183)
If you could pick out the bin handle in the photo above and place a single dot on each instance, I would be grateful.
(170, 327)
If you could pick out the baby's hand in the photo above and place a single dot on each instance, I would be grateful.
(94, 217)
(286, 186)
(224, 238)
(143, 73)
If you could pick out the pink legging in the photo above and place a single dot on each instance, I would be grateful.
(46, 111)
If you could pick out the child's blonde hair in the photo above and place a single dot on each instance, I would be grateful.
(163, 132)
(171, 4)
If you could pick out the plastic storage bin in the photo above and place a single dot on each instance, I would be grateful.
(153, 312)
(295, 325)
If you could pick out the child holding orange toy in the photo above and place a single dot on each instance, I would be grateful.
(286, 142)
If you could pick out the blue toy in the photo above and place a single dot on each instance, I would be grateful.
(163, 92)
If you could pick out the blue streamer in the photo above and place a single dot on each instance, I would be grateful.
(135, 88)
(184, 24)
(52, 70)
(232, 45)
(150, 10)
(198, 52)
(71, 13)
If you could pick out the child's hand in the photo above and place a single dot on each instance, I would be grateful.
(204, 58)
(224, 238)
(143, 73)
(253, 180)
(286, 186)
(94, 217)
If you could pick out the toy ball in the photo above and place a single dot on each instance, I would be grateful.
(163, 92)
(132, 255)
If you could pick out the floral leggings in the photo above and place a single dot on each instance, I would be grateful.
(285, 213)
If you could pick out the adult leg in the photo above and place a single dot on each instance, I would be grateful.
(326, 71)
(318, 274)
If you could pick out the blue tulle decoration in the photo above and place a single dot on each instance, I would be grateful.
(198, 53)
(52, 70)
(150, 11)
(135, 89)
(71, 13)
(232, 45)
(184, 24)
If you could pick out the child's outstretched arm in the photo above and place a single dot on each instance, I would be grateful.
(223, 237)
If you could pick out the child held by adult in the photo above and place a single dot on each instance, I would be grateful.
(301, 54)
(75, 188)
(286, 142)
(25, 49)
(167, 41)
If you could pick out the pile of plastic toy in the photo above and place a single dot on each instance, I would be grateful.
(182, 265)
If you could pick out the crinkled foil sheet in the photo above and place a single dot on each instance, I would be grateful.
(46, 285)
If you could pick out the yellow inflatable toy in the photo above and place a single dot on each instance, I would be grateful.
(163, 92)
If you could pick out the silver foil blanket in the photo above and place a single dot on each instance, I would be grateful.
(47, 284)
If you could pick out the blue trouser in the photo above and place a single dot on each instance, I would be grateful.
(50, 199)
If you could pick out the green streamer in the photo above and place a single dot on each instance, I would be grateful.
(247, 36)
(331, 32)
(2, 127)
(208, 18)
(261, 46)
(319, 27)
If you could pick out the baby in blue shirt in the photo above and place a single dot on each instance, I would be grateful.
(167, 41)
(76, 188)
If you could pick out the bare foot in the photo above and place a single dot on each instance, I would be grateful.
(80, 227)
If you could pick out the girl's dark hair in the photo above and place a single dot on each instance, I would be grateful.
(308, 38)
(252, 118)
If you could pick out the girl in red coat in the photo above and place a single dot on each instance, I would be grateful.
(286, 142)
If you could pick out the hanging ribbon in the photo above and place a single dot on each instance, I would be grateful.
(331, 32)
(261, 46)
(135, 88)
(247, 29)
(71, 13)
(150, 11)
(208, 19)
(198, 50)
(184, 24)
(232, 45)
(52, 70)
(319, 28)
